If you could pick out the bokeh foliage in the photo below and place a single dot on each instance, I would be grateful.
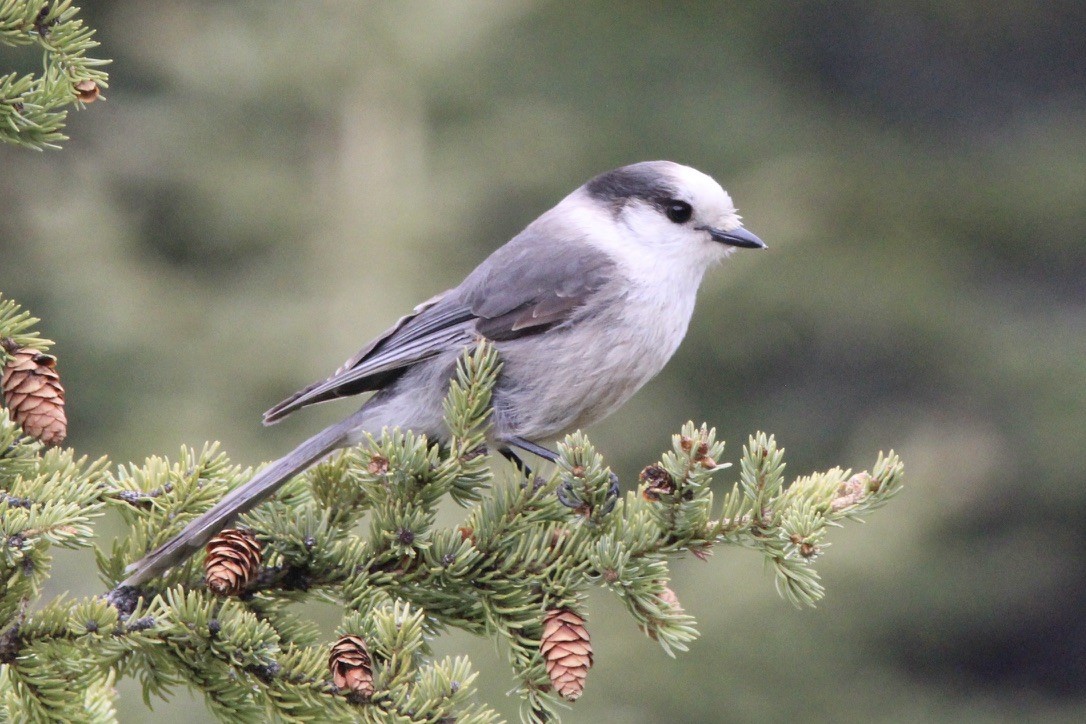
(271, 184)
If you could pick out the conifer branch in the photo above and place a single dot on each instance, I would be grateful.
(33, 107)
(360, 530)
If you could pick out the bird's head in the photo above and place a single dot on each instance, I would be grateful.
(661, 209)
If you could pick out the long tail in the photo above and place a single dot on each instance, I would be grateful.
(197, 533)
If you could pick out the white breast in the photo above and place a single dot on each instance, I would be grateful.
(586, 372)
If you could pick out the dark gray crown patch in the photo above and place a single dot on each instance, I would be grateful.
(646, 181)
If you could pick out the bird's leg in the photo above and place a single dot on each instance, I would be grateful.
(551, 456)
(522, 467)
(516, 460)
(529, 446)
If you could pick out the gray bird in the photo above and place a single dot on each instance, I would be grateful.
(584, 306)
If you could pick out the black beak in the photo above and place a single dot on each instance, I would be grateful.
(736, 237)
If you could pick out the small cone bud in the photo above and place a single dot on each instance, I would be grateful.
(87, 91)
(657, 482)
(33, 393)
(378, 465)
(851, 492)
(233, 560)
(667, 597)
(567, 652)
(351, 666)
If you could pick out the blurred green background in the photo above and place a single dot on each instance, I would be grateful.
(271, 183)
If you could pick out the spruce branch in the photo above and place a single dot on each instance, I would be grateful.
(17, 329)
(360, 530)
(47, 499)
(33, 107)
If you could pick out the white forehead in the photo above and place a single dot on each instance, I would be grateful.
(701, 191)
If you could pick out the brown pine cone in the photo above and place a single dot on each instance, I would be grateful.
(233, 560)
(567, 652)
(351, 666)
(33, 393)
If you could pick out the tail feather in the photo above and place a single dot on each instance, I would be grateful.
(197, 533)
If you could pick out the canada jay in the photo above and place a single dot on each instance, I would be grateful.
(584, 307)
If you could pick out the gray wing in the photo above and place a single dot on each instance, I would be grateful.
(534, 283)
(526, 287)
(430, 328)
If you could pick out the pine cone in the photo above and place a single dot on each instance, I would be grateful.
(233, 559)
(567, 652)
(33, 393)
(351, 666)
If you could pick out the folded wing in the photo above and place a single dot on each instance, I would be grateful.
(514, 293)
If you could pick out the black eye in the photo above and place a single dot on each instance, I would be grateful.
(678, 211)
